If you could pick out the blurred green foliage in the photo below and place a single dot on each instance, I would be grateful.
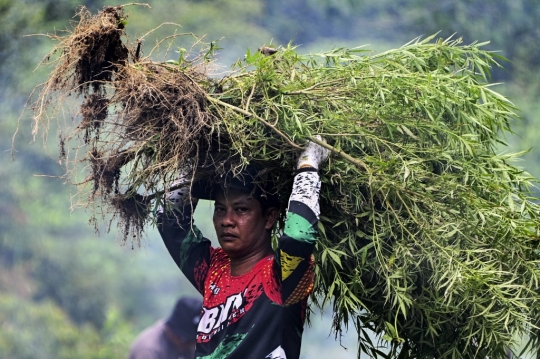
(42, 330)
(66, 293)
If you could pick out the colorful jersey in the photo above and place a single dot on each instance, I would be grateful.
(259, 314)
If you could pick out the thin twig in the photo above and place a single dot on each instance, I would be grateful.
(340, 153)
(136, 3)
(250, 114)
(246, 107)
(307, 89)
(138, 51)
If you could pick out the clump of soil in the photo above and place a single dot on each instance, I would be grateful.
(106, 171)
(163, 119)
(165, 105)
(138, 122)
(94, 111)
(101, 51)
(134, 210)
(92, 53)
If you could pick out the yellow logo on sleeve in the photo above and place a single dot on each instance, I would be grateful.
(288, 264)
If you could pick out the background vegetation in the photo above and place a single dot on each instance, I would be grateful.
(66, 292)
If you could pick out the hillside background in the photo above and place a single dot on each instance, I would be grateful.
(67, 292)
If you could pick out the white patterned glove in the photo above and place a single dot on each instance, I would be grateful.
(313, 155)
(181, 197)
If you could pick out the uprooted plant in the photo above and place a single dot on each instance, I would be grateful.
(429, 236)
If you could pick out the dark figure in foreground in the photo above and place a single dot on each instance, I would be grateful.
(171, 338)
(254, 298)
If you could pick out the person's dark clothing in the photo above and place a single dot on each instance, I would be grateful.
(153, 343)
(259, 314)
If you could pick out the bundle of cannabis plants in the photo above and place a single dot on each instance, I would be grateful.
(428, 234)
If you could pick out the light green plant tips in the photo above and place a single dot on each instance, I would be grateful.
(429, 235)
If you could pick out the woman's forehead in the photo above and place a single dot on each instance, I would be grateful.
(233, 195)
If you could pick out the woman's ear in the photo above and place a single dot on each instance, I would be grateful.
(271, 216)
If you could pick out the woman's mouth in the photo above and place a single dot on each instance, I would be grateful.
(227, 237)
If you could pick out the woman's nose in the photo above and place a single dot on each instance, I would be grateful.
(227, 219)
